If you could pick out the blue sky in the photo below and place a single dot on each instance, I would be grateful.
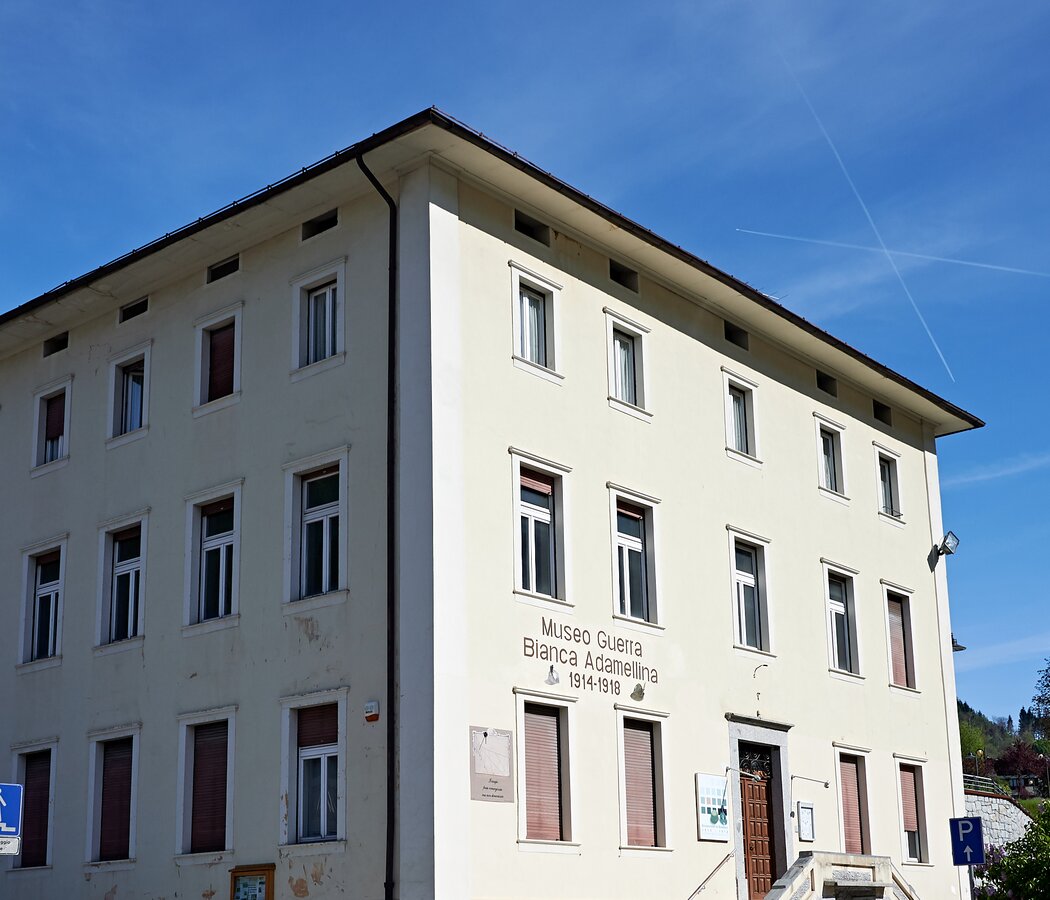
(121, 121)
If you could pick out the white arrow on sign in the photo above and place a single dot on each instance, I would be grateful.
(969, 852)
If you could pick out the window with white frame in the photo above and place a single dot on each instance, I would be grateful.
(51, 442)
(129, 380)
(898, 621)
(313, 768)
(749, 592)
(112, 777)
(538, 541)
(318, 310)
(534, 301)
(642, 803)
(204, 808)
(35, 771)
(218, 371)
(634, 558)
(842, 627)
(212, 558)
(544, 767)
(889, 493)
(123, 555)
(315, 517)
(627, 377)
(831, 473)
(45, 604)
(741, 432)
(913, 813)
(853, 794)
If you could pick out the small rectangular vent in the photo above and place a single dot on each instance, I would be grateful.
(882, 412)
(56, 343)
(532, 228)
(321, 223)
(827, 383)
(224, 268)
(623, 275)
(736, 335)
(133, 309)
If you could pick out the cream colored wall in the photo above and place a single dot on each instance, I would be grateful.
(269, 654)
(679, 457)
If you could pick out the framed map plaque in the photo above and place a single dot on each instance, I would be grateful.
(252, 882)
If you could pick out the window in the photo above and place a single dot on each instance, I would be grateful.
(316, 498)
(538, 557)
(634, 575)
(131, 310)
(205, 789)
(313, 768)
(737, 335)
(898, 615)
(111, 782)
(882, 412)
(213, 556)
(749, 591)
(889, 493)
(642, 822)
(623, 275)
(533, 228)
(317, 729)
(54, 344)
(46, 610)
(741, 433)
(129, 384)
(226, 267)
(546, 773)
(827, 383)
(842, 623)
(534, 303)
(320, 223)
(123, 557)
(913, 813)
(853, 791)
(318, 301)
(831, 474)
(52, 423)
(627, 383)
(218, 374)
(35, 772)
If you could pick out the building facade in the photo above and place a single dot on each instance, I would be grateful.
(659, 562)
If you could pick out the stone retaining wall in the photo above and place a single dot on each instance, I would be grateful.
(1002, 819)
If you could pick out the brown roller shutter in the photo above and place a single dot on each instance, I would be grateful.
(318, 725)
(55, 416)
(35, 802)
(208, 809)
(908, 799)
(543, 813)
(544, 484)
(852, 826)
(898, 650)
(220, 361)
(115, 820)
(219, 506)
(640, 781)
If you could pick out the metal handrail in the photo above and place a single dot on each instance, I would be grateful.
(987, 785)
(714, 872)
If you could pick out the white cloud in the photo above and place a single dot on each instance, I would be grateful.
(1003, 469)
(1033, 647)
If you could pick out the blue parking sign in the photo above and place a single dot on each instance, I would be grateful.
(10, 818)
(967, 841)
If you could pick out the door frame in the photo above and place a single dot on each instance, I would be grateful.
(748, 730)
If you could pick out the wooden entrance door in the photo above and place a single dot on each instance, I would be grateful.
(756, 801)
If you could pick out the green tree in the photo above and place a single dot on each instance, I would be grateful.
(1021, 869)
(971, 737)
(1040, 708)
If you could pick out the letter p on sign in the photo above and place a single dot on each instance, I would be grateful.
(967, 841)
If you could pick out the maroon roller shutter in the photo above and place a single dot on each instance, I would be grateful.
(543, 484)
(318, 725)
(851, 820)
(36, 799)
(115, 821)
(898, 651)
(55, 416)
(220, 361)
(640, 783)
(543, 814)
(908, 799)
(219, 506)
(208, 809)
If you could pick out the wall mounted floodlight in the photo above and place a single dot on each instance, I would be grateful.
(949, 545)
(552, 677)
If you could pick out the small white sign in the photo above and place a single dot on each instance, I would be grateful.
(806, 827)
(10, 846)
(712, 807)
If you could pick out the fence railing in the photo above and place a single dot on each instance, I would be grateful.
(986, 785)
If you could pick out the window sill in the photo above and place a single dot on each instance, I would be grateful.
(209, 625)
(318, 601)
(638, 412)
(833, 495)
(637, 624)
(746, 458)
(843, 675)
(891, 519)
(916, 862)
(14, 869)
(543, 601)
(527, 845)
(311, 848)
(215, 405)
(110, 865)
(134, 643)
(903, 689)
(527, 365)
(626, 850)
(214, 858)
(766, 653)
(43, 469)
(316, 368)
(34, 665)
(118, 440)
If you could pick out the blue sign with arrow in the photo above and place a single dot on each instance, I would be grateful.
(10, 818)
(967, 841)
